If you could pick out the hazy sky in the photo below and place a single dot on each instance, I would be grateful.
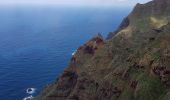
(73, 2)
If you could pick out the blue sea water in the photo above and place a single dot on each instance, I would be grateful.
(36, 43)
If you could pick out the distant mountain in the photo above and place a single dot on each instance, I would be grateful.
(133, 64)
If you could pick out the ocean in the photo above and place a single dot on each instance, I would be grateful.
(36, 43)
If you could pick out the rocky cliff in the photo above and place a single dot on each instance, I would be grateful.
(134, 64)
(144, 17)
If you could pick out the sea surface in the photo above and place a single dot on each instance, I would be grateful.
(36, 43)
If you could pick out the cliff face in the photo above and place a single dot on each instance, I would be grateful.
(134, 64)
(144, 17)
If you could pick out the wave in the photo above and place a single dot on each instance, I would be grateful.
(29, 98)
(74, 53)
(31, 90)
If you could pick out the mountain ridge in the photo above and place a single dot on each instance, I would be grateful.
(155, 12)
(133, 64)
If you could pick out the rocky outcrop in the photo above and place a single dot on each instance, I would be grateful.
(134, 64)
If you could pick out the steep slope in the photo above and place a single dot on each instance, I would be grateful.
(132, 65)
(147, 16)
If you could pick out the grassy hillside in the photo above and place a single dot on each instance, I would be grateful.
(132, 65)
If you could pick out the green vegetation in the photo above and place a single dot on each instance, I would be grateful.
(150, 87)
(125, 67)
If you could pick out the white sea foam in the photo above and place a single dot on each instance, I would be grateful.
(28, 98)
(74, 53)
(31, 90)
